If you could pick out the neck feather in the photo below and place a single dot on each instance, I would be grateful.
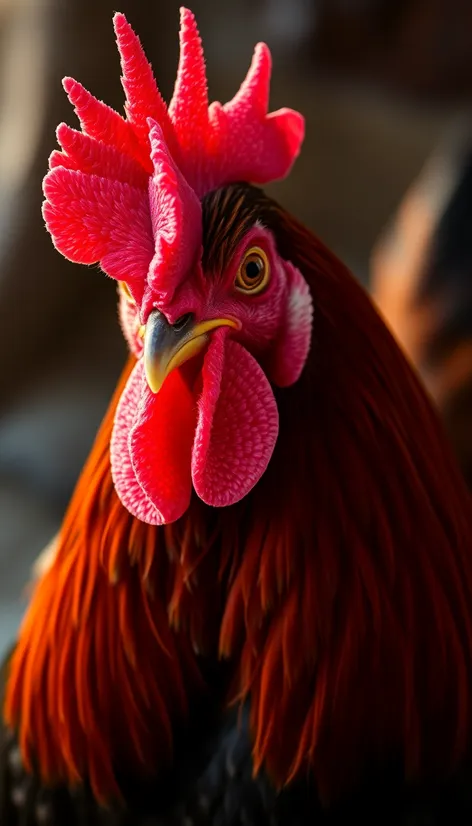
(355, 595)
(99, 676)
(340, 588)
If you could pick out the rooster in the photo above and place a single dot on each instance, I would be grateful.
(259, 607)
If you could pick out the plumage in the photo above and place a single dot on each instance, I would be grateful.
(258, 609)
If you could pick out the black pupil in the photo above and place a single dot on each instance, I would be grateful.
(253, 269)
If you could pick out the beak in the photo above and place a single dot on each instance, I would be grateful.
(167, 346)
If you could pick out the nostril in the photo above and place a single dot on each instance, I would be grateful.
(182, 322)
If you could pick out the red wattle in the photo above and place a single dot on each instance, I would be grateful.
(151, 448)
(223, 442)
(237, 424)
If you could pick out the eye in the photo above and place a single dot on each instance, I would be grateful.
(125, 290)
(253, 273)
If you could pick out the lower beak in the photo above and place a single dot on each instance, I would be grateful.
(167, 346)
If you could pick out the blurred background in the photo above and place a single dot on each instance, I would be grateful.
(383, 179)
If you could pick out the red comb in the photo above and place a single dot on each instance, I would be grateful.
(212, 145)
(207, 147)
(176, 216)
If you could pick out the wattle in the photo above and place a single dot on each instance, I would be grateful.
(218, 440)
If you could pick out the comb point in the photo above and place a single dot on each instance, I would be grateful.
(188, 108)
(255, 88)
(187, 17)
(120, 23)
(60, 130)
(124, 32)
(78, 95)
(70, 85)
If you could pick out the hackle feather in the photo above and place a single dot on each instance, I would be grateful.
(354, 591)
(340, 587)
(98, 677)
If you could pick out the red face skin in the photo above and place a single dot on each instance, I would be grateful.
(260, 316)
(269, 339)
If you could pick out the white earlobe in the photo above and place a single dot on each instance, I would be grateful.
(293, 345)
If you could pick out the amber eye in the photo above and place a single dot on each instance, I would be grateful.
(125, 290)
(253, 273)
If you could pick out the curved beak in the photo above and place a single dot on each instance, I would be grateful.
(167, 346)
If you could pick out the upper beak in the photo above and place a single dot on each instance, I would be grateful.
(167, 346)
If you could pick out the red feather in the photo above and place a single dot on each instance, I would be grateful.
(341, 586)
(366, 520)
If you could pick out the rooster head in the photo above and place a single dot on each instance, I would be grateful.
(213, 314)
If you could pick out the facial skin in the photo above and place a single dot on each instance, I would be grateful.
(199, 409)
(251, 292)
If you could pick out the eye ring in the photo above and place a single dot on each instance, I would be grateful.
(253, 272)
(126, 292)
